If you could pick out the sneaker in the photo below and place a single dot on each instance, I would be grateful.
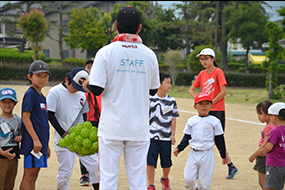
(84, 180)
(150, 187)
(165, 184)
(232, 172)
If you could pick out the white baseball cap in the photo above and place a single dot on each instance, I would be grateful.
(275, 108)
(207, 51)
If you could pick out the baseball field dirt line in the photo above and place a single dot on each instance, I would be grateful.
(241, 141)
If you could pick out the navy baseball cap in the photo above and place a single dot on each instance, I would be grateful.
(78, 76)
(38, 66)
(8, 93)
(128, 17)
(91, 59)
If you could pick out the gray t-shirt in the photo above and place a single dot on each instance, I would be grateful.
(7, 140)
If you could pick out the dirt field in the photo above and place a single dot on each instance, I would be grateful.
(242, 134)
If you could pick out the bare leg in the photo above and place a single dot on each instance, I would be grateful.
(29, 178)
(150, 174)
(261, 180)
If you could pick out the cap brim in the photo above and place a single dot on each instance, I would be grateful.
(77, 86)
(8, 97)
(41, 71)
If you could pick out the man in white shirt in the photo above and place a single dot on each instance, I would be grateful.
(126, 71)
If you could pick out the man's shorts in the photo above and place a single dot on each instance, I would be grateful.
(159, 147)
(274, 178)
(260, 164)
(30, 161)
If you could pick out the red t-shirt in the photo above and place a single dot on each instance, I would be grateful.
(211, 83)
(94, 103)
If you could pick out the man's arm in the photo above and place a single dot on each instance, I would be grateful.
(96, 90)
(152, 92)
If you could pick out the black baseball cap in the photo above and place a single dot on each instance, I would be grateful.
(78, 75)
(91, 59)
(128, 17)
(38, 66)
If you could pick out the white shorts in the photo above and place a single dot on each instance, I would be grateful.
(135, 159)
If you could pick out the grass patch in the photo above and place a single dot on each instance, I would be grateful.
(234, 95)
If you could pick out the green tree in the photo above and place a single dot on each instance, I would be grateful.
(19, 8)
(86, 31)
(193, 61)
(247, 26)
(164, 20)
(274, 54)
(196, 24)
(34, 26)
(53, 24)
(223, 29)
(173, 59)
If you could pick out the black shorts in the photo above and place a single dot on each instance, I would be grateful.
(159, 147)
(221, 116)
(260, 165)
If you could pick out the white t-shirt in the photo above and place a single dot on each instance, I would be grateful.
(161, 113)
(68, 107)
(202, 131)
(126, 71)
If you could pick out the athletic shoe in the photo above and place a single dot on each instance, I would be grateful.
(232, 172)
(150, 187)
(165, 184)
(84, 180)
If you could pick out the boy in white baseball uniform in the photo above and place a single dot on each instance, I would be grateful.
(201, 132)
(126, 71)
(67, 105)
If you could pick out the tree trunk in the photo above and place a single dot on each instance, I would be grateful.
(60, 34)
(23, 44)
(224, 43)
(270, 86)
(217, 25)
(246, 61)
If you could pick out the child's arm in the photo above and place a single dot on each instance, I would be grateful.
(55, 124)
(7, 153)
(268, 148)
(173, 128)
(222, 94)
(192, 91)
(183, 144)
(260, 150)
(29, 126)
(220, 143)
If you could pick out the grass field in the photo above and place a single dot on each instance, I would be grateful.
(243, 96)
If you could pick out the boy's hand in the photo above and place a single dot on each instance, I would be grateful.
(8, 155)
(18, 138)
(176, 152)
(85, 85)
(37, 146)
(224, 161)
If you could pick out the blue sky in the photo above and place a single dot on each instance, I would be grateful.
(272, 12)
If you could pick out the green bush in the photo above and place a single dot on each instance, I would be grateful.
(74, 62)
(13, 56)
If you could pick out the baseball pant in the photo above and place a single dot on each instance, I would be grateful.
(66, 160)
(202, 163)
(135, 154)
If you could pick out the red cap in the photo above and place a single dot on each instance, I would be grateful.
(203, 96)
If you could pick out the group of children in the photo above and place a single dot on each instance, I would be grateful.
(67, 104)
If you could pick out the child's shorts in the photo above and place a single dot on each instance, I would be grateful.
(30, 161)
(159, 147)
(274, 178)
(260, 164)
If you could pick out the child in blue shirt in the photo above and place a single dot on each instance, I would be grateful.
(35, 126)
